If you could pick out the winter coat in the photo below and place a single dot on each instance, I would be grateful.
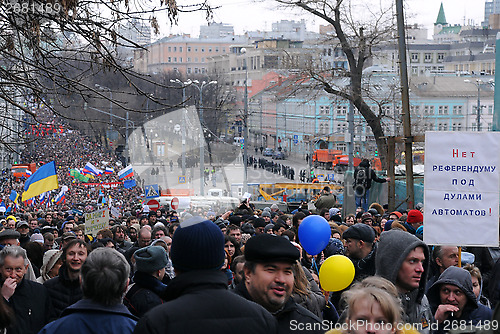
(144, 294)
(63, 292)
(460, 278)
(325, 202)
(199, 302)
(88, 317)
(31, 305)
(393, 248)
(290, 316)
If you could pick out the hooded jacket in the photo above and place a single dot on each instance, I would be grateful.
(393, 248)
(460, 278)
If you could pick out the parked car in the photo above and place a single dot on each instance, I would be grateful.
(268, 152)
(279, 155)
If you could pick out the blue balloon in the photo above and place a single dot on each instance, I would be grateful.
(314, 234)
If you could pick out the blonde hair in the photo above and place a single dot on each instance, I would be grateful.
(378, 282)
(389, 305)
(474, 272)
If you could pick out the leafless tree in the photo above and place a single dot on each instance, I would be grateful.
(359, 26)
(53, 50)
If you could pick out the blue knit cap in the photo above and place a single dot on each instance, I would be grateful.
(198, 244)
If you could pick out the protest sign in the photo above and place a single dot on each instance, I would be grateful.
(461, 188)
(96, 221)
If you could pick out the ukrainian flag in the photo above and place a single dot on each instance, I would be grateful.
(44, 179)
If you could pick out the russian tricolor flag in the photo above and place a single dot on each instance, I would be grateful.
(109, 170)
(61, 197)
(91, 169)
(126, 172)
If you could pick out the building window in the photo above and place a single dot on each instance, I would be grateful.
(209, 49)
(429, 110)
(428, 57)
(169, 59)
(180, 48)
(195, 59)
(202, 60)
(189, 70)
(341, 110)
(180, 60)
(195, 49)
(443, 110)
(457, 110)
(196, 70)
(188, 49)
(414, 57)
(189, 59)
(169, 49)
(440, 57)
(175, 49)
(217, 49)
(202, 49)
(490, 126)
(490, 110)
(175, 59)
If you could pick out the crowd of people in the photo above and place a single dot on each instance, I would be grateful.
(164, 273)
(271, 166)
(244, 270)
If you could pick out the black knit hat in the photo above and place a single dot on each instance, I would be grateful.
(150, 259)
(198, 244)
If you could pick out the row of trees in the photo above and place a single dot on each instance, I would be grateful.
(66, 53)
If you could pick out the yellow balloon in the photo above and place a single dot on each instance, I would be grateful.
(336, 273)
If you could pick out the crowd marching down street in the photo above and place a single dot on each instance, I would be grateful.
(313, 270)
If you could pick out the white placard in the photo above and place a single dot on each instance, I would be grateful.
(461, 188)
(96, 221)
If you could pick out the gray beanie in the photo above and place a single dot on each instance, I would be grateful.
(150, 259)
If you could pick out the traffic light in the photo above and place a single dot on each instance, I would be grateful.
(242, 146)
(376, 153)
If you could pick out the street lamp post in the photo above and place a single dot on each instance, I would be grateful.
(183, 154)
(478, 84)
(200, 87)
(245, 126)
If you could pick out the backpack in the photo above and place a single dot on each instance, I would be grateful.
(361, 178)
(360, 182)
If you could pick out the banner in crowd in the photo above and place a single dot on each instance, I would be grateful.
(105, 185)
(96, 221)
(461, 188)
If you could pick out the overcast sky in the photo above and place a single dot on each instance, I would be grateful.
(247, 15)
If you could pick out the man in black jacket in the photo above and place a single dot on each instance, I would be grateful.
(64, 289)
(363, 177)
(29, 300)
(198, 299)
(269, 282)
(147, 289)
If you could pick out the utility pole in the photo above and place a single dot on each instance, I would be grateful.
(245, 127)
(200, 87)
(403, 71)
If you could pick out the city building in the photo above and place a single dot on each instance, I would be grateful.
(216, 30)
(132, 33)
(182, 54)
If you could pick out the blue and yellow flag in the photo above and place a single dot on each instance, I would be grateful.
(44, 179)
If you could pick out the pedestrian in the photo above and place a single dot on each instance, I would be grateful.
(453, 301)
(403, 259)
(269, 281)
(198, 299)
(105, 276)
(147, 289)
(326, 201)
(64, 289)
(363, 177)
(29, 300)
